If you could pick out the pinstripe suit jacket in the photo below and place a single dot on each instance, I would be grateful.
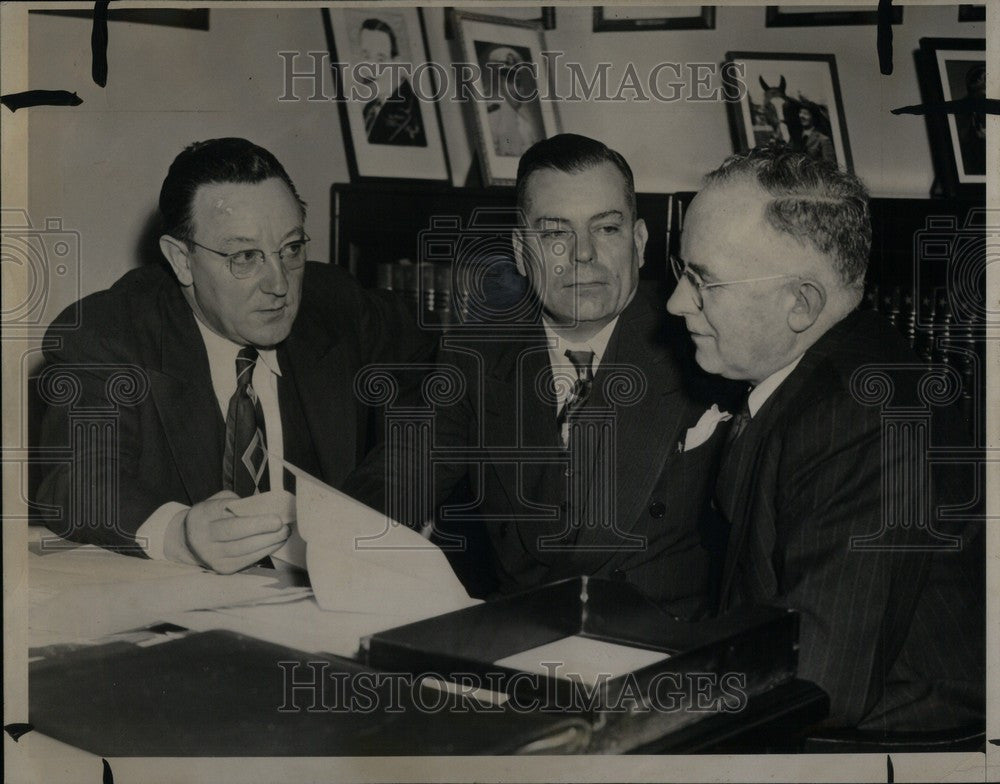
(895, 636)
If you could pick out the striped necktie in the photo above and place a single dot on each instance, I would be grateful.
(244, 465)
(582, 387)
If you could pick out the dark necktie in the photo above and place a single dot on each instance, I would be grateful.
(737, 426)
(244, 465)
(578, 395)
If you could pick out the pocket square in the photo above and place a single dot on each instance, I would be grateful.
(702, 431)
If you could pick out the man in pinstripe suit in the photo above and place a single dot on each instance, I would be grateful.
(773, 260)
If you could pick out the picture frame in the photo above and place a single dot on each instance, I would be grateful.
(615, 19)
(787, 99)
(824, 16)
(950, 69)
(514, 104)
(547, 18)
(971, 12)
(391, 130)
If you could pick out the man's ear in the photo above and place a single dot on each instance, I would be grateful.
(810, 299)
(639, 236)
(176, 253)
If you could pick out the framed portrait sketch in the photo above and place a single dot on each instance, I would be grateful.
(952, 69)
(513, 105)
(390, 122)
(626, 18)
(790, 100)
(829, 14)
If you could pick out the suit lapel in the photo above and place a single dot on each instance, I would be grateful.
(645, 433)
(185, 400)
(319, 365)
(736, 487)
(519, 410)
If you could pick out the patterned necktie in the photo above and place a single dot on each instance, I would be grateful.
(244, 466)
(582, 387)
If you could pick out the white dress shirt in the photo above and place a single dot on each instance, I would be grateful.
(222, 366)
(563, 371)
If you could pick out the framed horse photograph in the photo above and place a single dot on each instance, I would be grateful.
(787, 100)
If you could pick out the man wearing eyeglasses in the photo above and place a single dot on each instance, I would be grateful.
(241, 354)
(819, 506)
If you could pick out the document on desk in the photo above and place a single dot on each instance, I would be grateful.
(360, 561)
(82, 594)
(582, 658)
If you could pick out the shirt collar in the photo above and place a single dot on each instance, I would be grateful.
(223, 351)
(760, 393)
(598, 343)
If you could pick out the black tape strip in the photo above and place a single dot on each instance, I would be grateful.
(29, 98)
(17, 730)
(967, 105)
(99, 44)
(884, 36)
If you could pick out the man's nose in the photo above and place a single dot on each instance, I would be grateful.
(584, 246)
(274, 278)
(681, 302)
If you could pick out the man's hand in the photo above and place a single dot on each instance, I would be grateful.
(225, 542)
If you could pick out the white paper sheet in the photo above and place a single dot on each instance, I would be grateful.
(79, 596)
(583, 658)
(360, 561)
(300, 625)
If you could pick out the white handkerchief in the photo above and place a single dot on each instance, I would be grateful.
(701, 432)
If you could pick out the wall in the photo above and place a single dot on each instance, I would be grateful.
(99, 166)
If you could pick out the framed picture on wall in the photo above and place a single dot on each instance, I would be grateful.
(390, 124)
(514, 106)
(954, 69)
(614, 18)
(546, 16)
(788, 100)
(824, 15)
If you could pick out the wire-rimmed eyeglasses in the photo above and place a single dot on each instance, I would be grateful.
(682, 270)
(247, 263)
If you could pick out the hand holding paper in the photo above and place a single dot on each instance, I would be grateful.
(227, 533)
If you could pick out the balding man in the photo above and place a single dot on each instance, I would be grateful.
(773, 259)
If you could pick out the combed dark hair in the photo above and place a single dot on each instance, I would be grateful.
(382, 27)
(212, 162)
(570, 153)
(813, 201)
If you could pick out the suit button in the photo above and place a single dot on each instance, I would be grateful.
(568, 473)
(618, 575)
(503, 530)
(657, 509)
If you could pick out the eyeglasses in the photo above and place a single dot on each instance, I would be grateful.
(682, 270)
(247, 263)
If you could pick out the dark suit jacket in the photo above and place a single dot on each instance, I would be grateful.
(168, 445)
(894, 636)
(639, 523)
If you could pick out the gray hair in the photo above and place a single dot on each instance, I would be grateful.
(812, 200)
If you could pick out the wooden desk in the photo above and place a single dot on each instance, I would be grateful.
(217, 693)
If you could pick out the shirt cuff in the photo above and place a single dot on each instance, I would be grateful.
(152, 533)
